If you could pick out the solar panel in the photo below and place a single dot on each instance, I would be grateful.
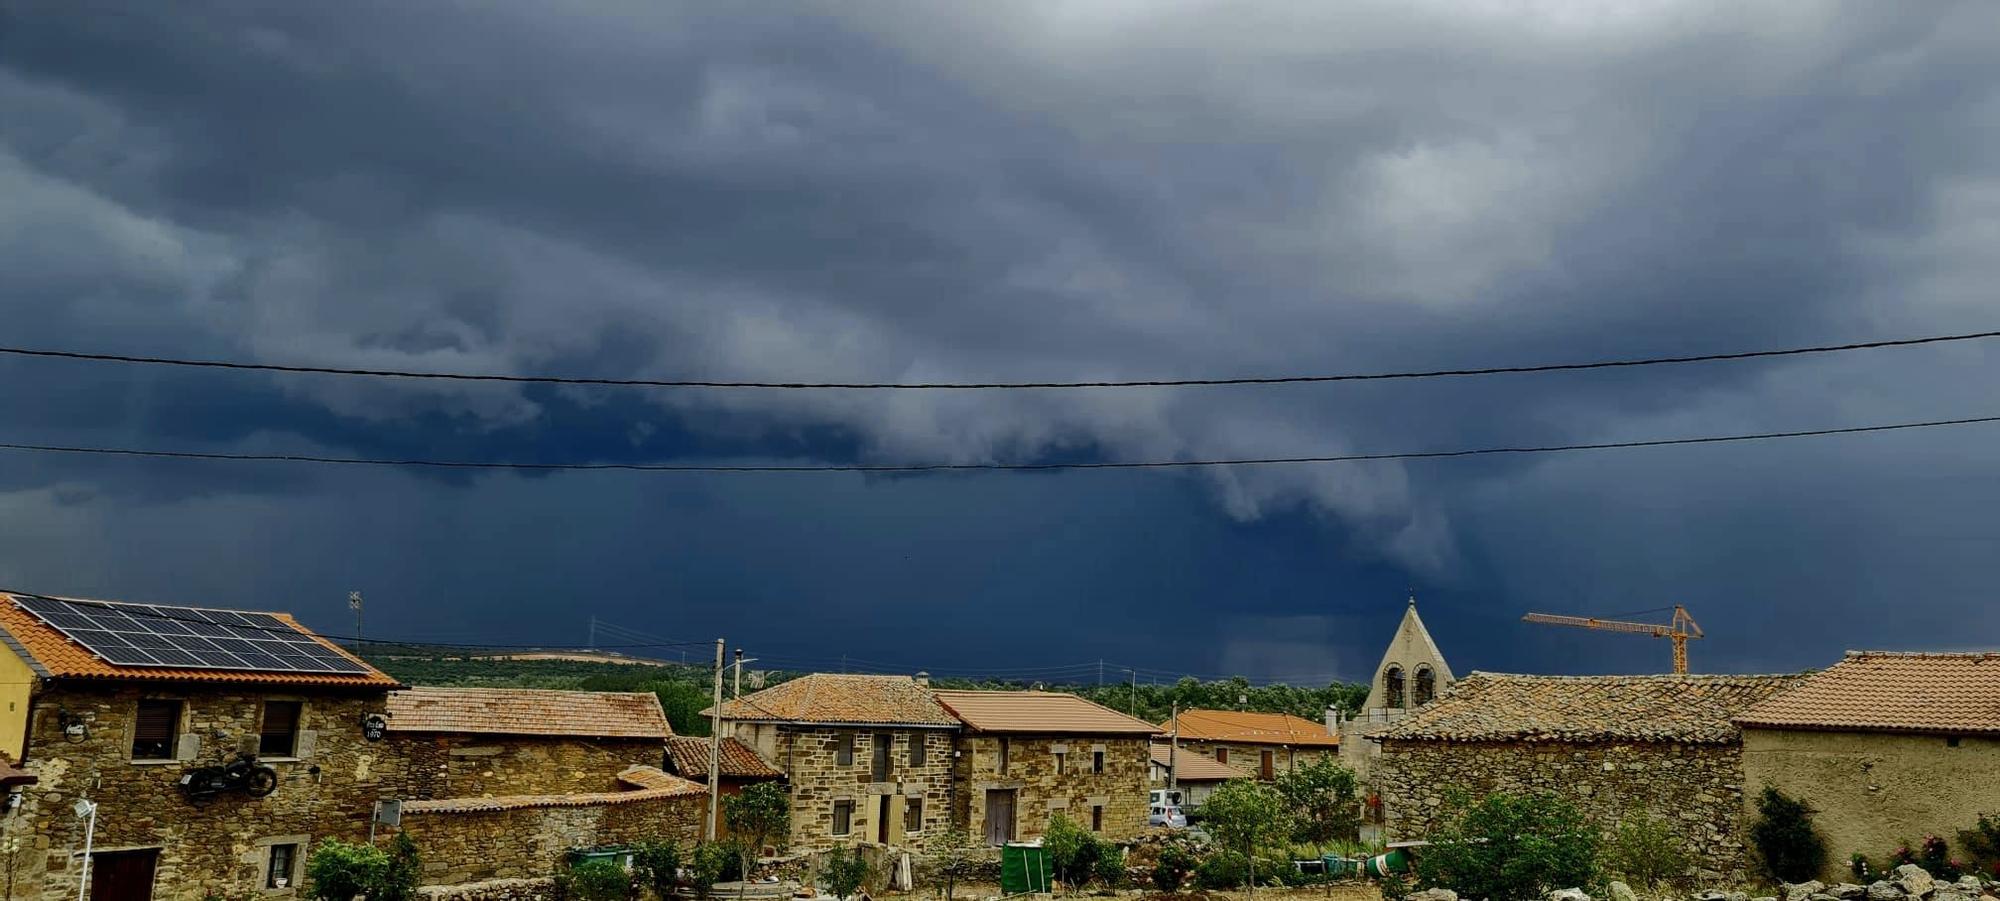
(188, 637)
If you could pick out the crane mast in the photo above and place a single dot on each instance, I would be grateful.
(1681, 628)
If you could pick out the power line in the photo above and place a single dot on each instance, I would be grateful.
(968, 386)
(977, 467)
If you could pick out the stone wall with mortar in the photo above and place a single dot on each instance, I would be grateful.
(220, 846)
(473, 766)
(1874, 791)
(1249, 757)
(1042, 787)
(525, 842)
(809, 757)
(1697, 789)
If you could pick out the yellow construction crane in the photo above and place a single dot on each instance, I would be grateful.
(1680, 629)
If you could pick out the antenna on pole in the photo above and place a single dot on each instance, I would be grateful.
(354, 604)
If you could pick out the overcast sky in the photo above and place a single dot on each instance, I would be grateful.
(1015, 191)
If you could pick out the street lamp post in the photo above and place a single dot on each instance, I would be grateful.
(86, 810)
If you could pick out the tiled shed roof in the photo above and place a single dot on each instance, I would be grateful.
(842, 699)
(528, 711)
(1252, 728)
(1194, 766)
(689, 756)
(1039, 712)
(53, 655)
(1502, 707)
(658, 785)
(1881, 691)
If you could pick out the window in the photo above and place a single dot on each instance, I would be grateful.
(1097, 818)
(913, 816)
(878, 771)
(153, 729)
(1392, 687)
(843, 749)
(1062, 765)
(1951, 741)
(917, 749)
(279, 873)
(280, 734)
(1221, 755)
(1000, 765)
(1097, 761)
(1426, 687)
(843, 817)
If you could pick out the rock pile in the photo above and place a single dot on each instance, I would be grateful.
(1908, 882)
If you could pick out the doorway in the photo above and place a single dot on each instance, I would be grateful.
(882, 818)
(999, 816)
(123, 875)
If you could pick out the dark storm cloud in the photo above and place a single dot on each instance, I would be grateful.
(1066, 190)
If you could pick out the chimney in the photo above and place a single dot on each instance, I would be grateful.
(1332, 720)
(924, 679)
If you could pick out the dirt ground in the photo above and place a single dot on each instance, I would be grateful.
(1355, 891)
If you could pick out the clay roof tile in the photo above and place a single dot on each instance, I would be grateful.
(1883, 691)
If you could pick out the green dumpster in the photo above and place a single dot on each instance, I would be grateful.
(1342, 866)
(1024, 869)
(1396, 860)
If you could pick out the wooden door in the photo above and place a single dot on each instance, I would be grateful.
(882, 819)
(999, 816)
(123, 875)
(1264, 765)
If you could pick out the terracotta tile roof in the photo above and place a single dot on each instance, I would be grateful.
(528, 711)
(1252, 728)
(53, 655)
(689, 756)
(1039, 712)
(660, 785)
(842, 699)
(1195, 766)
(1502, 707)
(1880, 691)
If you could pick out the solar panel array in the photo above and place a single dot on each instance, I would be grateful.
(188, 637)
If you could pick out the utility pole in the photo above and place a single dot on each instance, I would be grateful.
(1174, 750)
(736, 690)
(354, 604)
(592, 644)
(1100, 672)
(715, 747)
(1134, 711)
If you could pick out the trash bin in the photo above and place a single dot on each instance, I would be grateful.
(1024, 868)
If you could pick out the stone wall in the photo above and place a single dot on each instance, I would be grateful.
(1249, 757)
(1873, 790)
(471, 766)
(1696, 789)
(470, 842)
(808, 755)
(220, 846)
(1040, 791)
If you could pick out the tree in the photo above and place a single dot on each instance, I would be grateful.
(1645, 851)
(952, 857)
(845, 871)
(338, 871)
(1244, 815)
(1511, 848)
(402, 872)
(1784, 836)
(1321, 795)
(759, 814)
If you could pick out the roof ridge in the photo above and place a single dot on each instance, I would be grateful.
(1940, 655)
(1649, 677)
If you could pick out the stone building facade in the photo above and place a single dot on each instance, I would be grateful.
(478, 840)
(1613, 746)
(122, 736)
(868, 758)
(482, 742)
(1887, 747)
(1026, 756)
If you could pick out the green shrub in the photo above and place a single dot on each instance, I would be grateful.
(1223, 870)
(1511, 848)
(845, 871)
(1321, 799)
(706, 866)
(1981, 844)
(338, 871)
(1783, 833)
(1110, 870)
(599, 880)
(656, 865)
(1645, 851)
(1172, 868)
(1073, 851)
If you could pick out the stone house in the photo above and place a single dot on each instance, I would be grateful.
(1195, 776)
(1888, 747)
(1025, 756)
(113, 703)
(868, 758)
(1264, 744)
(483, 742)
(1614, 746)
(687, 757)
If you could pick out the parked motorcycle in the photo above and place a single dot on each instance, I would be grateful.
(243, 773)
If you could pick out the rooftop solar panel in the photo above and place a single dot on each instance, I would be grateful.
(188, 637)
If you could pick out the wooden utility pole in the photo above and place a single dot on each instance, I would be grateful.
(715, 748)
(736, 688)
(1174, 750)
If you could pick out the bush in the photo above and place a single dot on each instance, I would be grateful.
(1172, 868)
(1981, 844)
(338, 871)
(1511, 848)
(1322, 802)
(845, 871)
(1110, 870)
(399, 878)
(706, 866)
(657, 865)
(1073, 851)
(1223, 870)
(1784, 835)
(1646, 852)
(599, 880)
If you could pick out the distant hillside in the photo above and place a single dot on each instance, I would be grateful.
(685, 690)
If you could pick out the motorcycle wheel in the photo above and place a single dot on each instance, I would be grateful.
(262, 781)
